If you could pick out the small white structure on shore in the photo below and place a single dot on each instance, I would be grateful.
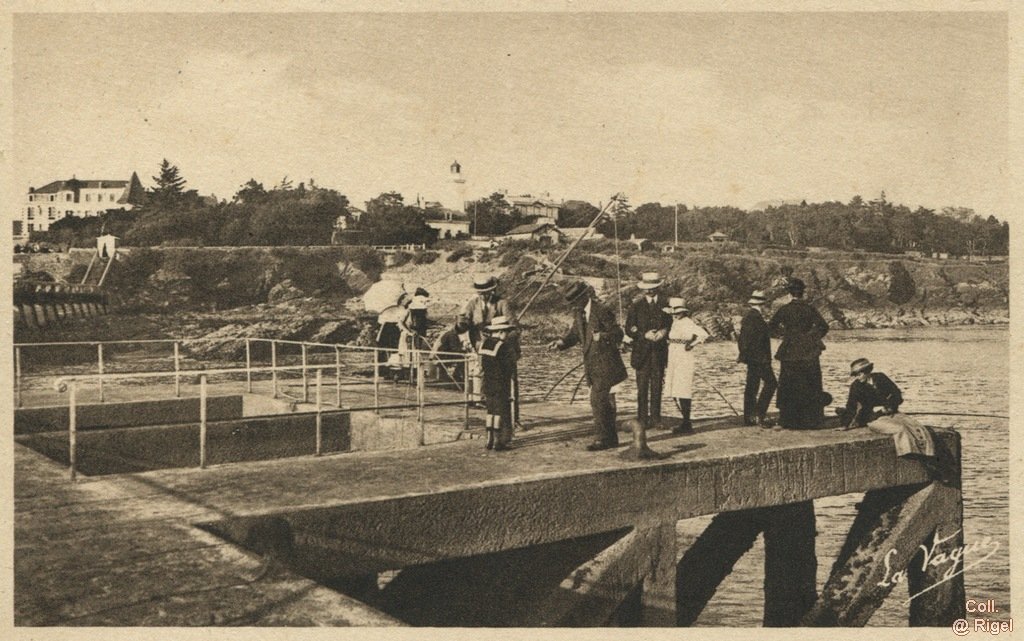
(106, 245)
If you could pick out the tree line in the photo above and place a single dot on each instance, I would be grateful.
(307, 214)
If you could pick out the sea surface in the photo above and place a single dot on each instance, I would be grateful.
(947, 370)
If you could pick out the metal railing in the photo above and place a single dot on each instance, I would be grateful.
(415, 360)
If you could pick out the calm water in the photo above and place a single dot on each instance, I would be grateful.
(941, 369)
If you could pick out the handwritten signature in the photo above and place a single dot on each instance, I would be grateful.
(952, 563)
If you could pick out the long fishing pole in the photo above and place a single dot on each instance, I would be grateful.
(954, 414)
(559, 381)
(558, 263)
(577, 388)
(554, 266)
(708, 383)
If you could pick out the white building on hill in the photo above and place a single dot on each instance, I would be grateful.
(51, 202)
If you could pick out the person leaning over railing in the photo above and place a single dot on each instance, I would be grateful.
(454, 341)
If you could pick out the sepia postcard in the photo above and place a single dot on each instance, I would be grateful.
(412, 319)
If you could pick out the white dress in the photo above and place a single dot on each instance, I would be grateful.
(679, 372)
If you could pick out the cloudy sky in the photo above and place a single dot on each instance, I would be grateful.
(700, 108)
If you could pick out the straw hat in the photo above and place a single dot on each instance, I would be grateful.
(500, 322)
(861, 365)
(485, 283)
(675, 306)
(650, 280)
(757, 298)
(418, 302)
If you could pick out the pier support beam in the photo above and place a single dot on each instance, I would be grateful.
(790, 561)
(886, 546)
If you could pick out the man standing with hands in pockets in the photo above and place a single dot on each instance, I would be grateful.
(756, 353)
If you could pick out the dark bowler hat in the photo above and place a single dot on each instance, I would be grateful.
(796, 285)
(861, 365)
(575, 290)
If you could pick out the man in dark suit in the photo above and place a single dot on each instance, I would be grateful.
(800, 397)
(647, 325)
(596, 331)
(756, 352)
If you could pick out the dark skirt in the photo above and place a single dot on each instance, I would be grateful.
(800, 394)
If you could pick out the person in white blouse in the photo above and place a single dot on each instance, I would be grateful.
(683, 336)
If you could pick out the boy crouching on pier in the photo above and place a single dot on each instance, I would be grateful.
(498, 361)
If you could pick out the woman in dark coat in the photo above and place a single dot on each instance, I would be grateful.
(800, 394)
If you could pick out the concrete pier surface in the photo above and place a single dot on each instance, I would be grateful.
(140, 549)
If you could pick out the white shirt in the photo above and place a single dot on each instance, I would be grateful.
(586, 310)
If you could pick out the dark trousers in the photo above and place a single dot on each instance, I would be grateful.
(649, 382)
(604, 415)
(759, 376)
(800, 395)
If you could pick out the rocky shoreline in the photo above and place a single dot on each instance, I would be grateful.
(314, 294)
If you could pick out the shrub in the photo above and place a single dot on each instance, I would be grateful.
(400, 258)
(366, 259)
(424, 257)
(459, 253)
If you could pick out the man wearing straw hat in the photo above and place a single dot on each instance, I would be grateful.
(800, 397)
(755, 347)
(479, 311)
(647, 325)
(598, 334)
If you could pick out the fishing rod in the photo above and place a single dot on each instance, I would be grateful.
(708, 383)
(554, 268)
(954, 414)
(559, 381)
(577, 388)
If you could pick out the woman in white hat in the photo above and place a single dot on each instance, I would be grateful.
(682, 337)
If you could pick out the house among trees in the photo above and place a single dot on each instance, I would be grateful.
(541, 210)
(541, 232)
(718, 237)
(74, 197)
(450, 227)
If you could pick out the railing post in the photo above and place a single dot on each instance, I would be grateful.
(17, 375)
(72, 431)
(202, 421)
(248, 366)
(177, 371)
(420, 394)
(376, 381)
(99, 353)
(465, 389)
(319, 418)
(337, 373)
(305, 382)
(273, 366)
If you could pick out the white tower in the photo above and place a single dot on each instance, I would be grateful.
(458, 188)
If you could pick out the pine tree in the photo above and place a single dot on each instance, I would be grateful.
(169, 184)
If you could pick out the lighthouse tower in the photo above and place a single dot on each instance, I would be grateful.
(457, 191)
